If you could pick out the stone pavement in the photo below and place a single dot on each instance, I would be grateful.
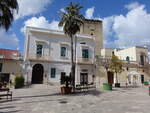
(47, 99)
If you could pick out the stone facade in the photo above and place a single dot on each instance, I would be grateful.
(136, 64)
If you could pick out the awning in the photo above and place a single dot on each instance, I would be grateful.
(133, 73)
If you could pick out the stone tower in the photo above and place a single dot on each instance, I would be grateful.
(94, 27)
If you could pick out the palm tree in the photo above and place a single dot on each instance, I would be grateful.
(71, 21)
(7, 8)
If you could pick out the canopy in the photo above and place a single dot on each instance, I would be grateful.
(133, 73)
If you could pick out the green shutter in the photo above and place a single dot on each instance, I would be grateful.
(85, 53)
(63, 51)
(39, 49)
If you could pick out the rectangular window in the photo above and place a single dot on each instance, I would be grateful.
(1, 67)
(63, 51)
(85, 53)
(53, 72)
(39, 49)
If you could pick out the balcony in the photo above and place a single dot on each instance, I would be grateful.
(85, 60)
(39, 57)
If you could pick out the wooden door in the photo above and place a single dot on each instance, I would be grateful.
(83, 78)
(110, 77)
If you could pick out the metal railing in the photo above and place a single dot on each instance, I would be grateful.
(102, 60)
(39, 57)
(85, 60)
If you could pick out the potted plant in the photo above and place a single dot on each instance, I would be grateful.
(66, 81)
(19, 81)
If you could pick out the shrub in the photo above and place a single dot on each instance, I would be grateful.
(19, 81)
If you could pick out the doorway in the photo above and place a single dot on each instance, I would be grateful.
(37, 74)
(142, 79)
(83, 78)
(110, 76)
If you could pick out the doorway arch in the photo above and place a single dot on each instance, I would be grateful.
(37, 74)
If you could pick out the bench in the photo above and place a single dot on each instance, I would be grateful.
(85, 87)
(6, 93)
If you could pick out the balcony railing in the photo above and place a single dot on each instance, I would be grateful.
(85, 60)
(39, 57)
(133, 63)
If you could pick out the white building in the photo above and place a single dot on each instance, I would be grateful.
(47, 55)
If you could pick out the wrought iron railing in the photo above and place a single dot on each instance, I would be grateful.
(39, 57)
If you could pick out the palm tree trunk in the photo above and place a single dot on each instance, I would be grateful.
(72, 64)
(75, 57)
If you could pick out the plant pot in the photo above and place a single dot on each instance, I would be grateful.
(146, 84)
(16, 87)
(66, 90)
(117, 84)
(107, 86)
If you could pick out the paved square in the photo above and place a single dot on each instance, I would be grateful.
(46, 99)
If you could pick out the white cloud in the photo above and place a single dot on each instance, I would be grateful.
(62, 9)
(107, 26)
(130, 29)
(132, 5)
(31, 7)
(89, 12)
(9, 40)
(41, 22)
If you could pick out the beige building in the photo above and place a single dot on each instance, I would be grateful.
(136, 64)
(10, 64)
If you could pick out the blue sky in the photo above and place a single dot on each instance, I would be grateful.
(126, 22)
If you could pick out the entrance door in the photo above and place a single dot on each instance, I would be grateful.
(37, 74)
(83, 78)
(110, 77)
(142, 79)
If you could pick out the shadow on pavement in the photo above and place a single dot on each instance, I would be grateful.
(82, 93)
(12, 111)
(32, 96)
